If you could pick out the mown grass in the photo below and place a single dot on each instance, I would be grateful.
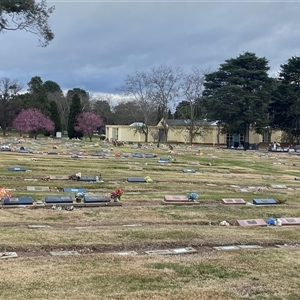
(142, 223)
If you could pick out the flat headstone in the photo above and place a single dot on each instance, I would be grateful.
(290, 221)
(176, 198)
(38, 226)
(297, 178)
(18, 201)
(252, 222)
(74, 190)
(52, 153)
(268, 177)
(184, 250)
(243, 190)
(98, 154)
(95, 199)
(233, 201)
(226, 248)
(211, 184)
(150, 155)
(136, 168)
(59, 177)
(58, 199)
(16, 169)
(137, 155)
(278, 186)
(6, 255)
(250, 247)
(136, 179)
(64, 253)
(188, 171)
(88, 178)
(127, 253)
(228, 176)
(158, 252)
(268, 201)
(38, 188)
(23, 151)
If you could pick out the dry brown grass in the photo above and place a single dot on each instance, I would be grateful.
(99, 233)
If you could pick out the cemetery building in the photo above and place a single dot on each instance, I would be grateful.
(178, 132)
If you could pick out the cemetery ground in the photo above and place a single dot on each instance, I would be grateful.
(144, 248)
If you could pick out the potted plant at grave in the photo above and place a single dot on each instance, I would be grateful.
(117, 194)
(192, 196)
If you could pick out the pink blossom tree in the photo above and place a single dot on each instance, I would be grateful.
(88, 122)
(33, 121)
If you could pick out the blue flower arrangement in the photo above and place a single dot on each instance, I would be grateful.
(192, 196)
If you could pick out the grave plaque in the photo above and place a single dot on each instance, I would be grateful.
(63, 253)
(59, 177)
(17, 169)
(58, 199)
(250, 247)
(18, 201)
(176, 199)
(74, 190)
(234, 201)
(290, 221)
(137, 155)
(6, 255)
(136, 179)
(158, 252)
(227, 247)
(253, 222)
(297, 178)
(278, 186)
(52, 153)
(188, 171)
(87, 178)
(149, 155)
(95, 199)
(38, 188)
(269, 201)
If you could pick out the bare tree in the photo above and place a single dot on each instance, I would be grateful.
(139, 86)
(9, 102)
(192, 89)
(165, 85)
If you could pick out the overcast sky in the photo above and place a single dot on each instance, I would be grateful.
(98, 42)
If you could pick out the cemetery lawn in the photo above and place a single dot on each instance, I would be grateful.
(111, 242)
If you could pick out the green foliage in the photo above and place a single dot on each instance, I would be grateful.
(54, 116)
(29, 15)
(36, 97)
(285, 107)
(238, 94)
(75, 110)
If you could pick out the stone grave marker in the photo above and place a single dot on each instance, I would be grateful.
(253, 222)
(278, 186)
(290, 221)
(269, 201)
(158, 252)
(211, 184)
(136, 179)
(52, 153)
(227, 247)
(88, 178)
(297, 178)
(18, 201)
(184, 250)
(95, 199)
(74, 190)
(38, 226)
(38, 188)
(176, 198)
(250, 247)
(188, 171)
(17, 169)
(59, 177)
(228, 176)
(136, 168)
(243, 190)
(137, 155)
(64, 253)
(58, 199)
(127, 253)
(6, 255)
(268, 177)
(233, 201)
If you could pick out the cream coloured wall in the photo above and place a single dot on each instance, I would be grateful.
(127, 134)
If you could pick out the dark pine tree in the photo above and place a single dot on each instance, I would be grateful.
(75, 110)
(54, 116)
